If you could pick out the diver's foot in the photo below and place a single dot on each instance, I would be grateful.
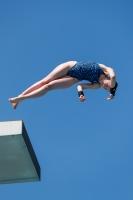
(14, 105)
(15, 100)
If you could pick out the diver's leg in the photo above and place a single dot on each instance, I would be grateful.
(61, 83)
(60, 71)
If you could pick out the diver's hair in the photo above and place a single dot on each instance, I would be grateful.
(107, 76)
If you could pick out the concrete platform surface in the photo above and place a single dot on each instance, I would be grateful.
(18, 162)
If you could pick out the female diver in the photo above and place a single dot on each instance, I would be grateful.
(67, 74)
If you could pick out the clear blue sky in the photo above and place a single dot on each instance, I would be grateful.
(85, 150)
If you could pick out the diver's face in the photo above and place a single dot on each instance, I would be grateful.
(105, 84)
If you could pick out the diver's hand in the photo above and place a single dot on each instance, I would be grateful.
(111, 96)
(82, 98)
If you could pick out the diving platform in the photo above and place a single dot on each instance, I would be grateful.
(18, 162)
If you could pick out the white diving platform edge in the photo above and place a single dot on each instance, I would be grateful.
(18, 162)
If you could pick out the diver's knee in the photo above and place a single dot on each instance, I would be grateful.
(47, 87)
(46, 80)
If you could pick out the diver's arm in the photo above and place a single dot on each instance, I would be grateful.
(92, 86)
(81, 87)
(111, 73)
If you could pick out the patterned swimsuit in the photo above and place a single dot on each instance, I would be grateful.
(89, 71)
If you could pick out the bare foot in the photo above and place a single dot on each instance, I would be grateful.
(15, 100)
(14, 105)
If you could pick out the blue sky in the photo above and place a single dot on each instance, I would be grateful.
(85, 150)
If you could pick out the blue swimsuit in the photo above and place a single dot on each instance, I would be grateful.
(89, 71)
